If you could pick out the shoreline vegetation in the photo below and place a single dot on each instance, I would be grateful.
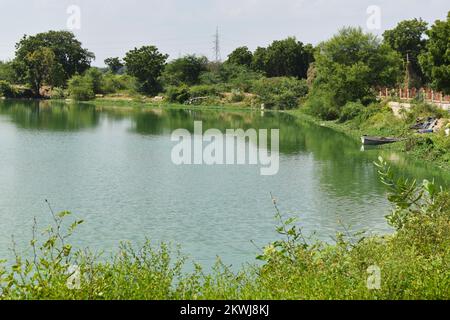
(323, 83)
(412, 263)
(334, 84)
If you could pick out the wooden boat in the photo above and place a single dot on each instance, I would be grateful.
(374, 141)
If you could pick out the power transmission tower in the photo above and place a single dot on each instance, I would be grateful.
(217, 45)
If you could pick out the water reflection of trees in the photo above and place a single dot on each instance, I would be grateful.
(341, 160)
(49, 115)
(339, 157)
(165, 121)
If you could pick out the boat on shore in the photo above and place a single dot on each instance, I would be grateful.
(375, 141)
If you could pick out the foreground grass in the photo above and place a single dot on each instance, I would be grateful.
(414, 262)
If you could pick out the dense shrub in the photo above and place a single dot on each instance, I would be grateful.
(230, 76)
(178, 94)
(203, 91)
(94, 82)
(433, 148)
(185, 70)
(238, 76)
(7, 72)
(320, 103)
(350, 111)
(57, 93)
(81, 88)
(237, 96)
(183, 93)
(7, 90)
(280, 93)
(209, 78)
(112, 83)
(424, 110)
(95, 77)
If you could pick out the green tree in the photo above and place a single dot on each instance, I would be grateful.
(42, 68)
(81, 88)
(435, 61)
(238, 75)
(287, 57)
(407, 38)
(241, 56)
(114, 64)
(280, 93)
(259, 59)
(67, 51)
(95, 77)
(349, 67)
(146, 64)
(7, 72)
(6, 89)
(185, 70)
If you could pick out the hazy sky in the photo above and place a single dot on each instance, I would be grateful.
(177, 27)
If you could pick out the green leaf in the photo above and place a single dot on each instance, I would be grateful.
(64, 213)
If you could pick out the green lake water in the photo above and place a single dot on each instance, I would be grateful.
(113, 169)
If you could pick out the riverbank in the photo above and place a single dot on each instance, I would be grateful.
(111, 103)
(434, 148)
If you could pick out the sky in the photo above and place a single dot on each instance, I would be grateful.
(110, 28)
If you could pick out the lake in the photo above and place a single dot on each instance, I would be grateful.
(113, 169)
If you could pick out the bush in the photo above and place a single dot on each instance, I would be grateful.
(350, 111)
(113, 83)
(95, 77)
(203, 91)
(183, 93)
(106, 83)
(321, 104)
(240, 77)
(237, 96)
(209, 78)
(7, 90)
(57, 93)
(280, 93)
(425, 110)
(184, 70)
(286, 100)
(178, 94)
(81, 88)
(7, 72)
(432, 147)
(229, 76)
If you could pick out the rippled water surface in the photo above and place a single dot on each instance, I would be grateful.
(113, 169)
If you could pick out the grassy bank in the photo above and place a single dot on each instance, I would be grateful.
(379, 120)
(412, 263)
(110, 102)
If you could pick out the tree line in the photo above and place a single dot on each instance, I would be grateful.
(346, 68)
